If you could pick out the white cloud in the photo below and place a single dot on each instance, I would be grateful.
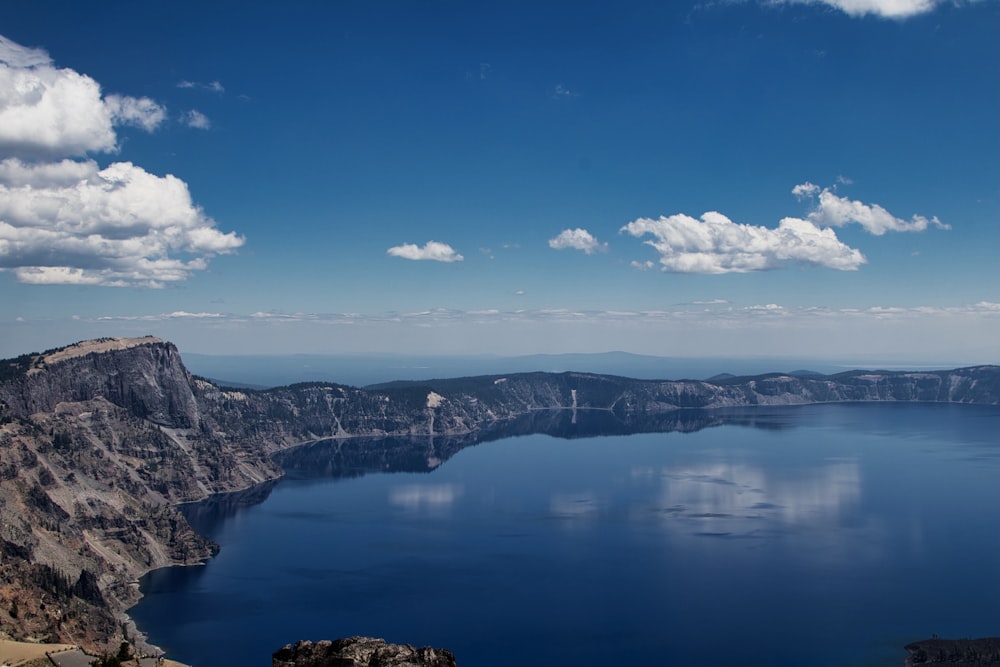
(15, 55)
(196, 119)
(70, 221)
(561, 92)
(46, 111)
(14, 172)
(577, 239)
(213, 86)
(136, 111)
(835, 211)
(939, 335)
(75, 223)
(432, 250)
(888, 9)
(715, 244)
(805, 190)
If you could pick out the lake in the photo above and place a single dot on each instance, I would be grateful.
(805, 535)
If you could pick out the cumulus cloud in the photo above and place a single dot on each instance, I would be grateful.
(71, 221)
(196, 119)
(577, 239)
(48, 111)
(44, 110)
(74, 223)
(888, 9)
(835, 211)
(715, 244)
(432, 250)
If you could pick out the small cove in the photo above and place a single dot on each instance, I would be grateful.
(826, 534)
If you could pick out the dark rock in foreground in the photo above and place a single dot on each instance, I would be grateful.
(360, 652)
(983, 652)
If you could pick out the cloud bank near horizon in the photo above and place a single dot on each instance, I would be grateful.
(963, 333)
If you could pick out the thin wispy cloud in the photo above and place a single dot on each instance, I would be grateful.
(432, 251)
(680, 313)
(963, 333)
(212, 86)
(562, 92)
(577, 239)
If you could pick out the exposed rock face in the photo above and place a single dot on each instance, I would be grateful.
(99, 441)
(360, 652)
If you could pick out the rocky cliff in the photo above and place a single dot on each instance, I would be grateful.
(99, 442)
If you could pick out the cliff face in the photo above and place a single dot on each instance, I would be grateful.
(143, 375)
(100, 440)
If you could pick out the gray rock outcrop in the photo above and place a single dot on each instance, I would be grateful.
(360, 652)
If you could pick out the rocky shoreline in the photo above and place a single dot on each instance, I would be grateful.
(101, 441)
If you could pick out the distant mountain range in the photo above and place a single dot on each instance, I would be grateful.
(264, 371)
(99, 441)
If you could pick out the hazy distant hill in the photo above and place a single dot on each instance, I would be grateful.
(364, 370)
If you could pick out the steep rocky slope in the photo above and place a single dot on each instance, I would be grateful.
(99, 441)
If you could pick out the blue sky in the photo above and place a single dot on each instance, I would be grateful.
(810, 179)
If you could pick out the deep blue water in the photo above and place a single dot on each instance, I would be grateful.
(814, 535)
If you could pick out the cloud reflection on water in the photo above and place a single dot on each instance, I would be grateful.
(711, 494)
(430, 497)
(573, 505)
(725, 498)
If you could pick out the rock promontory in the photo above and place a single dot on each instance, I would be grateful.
(360, 652)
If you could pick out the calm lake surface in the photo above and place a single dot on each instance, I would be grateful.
(810, 535)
